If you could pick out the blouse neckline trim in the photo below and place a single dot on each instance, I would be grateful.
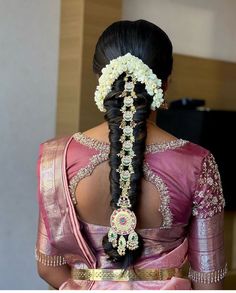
(99, 145)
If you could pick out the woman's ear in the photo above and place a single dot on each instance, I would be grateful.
(166, 84)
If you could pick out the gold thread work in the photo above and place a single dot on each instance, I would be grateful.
(49, 260)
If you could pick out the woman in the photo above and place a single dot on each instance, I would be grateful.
(124, 205)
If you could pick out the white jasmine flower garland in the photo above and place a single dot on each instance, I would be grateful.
(138, 70)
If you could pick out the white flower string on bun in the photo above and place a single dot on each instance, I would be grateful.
(133, 66)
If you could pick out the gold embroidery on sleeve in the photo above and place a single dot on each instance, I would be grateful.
(208, 277)
(208, 198)
(49, 260)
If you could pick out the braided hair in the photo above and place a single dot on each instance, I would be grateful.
(151, 44)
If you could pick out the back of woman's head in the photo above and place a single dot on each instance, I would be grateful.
(142, 39)
(149, 43)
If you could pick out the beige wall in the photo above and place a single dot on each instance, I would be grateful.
(97, 16)
(203, 37)
(201, 78)
(197, 27)
(82, 22)
(70, 66)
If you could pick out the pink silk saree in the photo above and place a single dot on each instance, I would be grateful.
(191, 203)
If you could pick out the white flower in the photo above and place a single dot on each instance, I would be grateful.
(138, 70)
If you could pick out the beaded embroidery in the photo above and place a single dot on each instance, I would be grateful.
(208, 277)
(208, 197)
(105, 146)
(91, 142)
(162, 147)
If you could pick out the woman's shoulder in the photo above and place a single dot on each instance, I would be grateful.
(177, 155)
(180, 156)
(56, 140)
(178, 145)
(194, 149)
(53, 145)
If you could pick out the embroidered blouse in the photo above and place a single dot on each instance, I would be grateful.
(187, 178)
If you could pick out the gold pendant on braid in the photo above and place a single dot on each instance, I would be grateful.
(123, 221)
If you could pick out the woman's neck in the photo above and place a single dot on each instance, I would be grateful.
(152, 116)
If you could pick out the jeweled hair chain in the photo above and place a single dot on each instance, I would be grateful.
(123, 220)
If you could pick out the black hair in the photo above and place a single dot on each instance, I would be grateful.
(151, 44)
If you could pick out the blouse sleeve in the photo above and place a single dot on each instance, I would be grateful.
(45, 253)
(206, 237)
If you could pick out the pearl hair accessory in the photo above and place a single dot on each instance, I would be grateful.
(138, 70)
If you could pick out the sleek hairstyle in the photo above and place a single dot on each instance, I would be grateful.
(148, 42)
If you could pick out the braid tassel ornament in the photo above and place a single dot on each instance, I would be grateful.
(123, 221)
